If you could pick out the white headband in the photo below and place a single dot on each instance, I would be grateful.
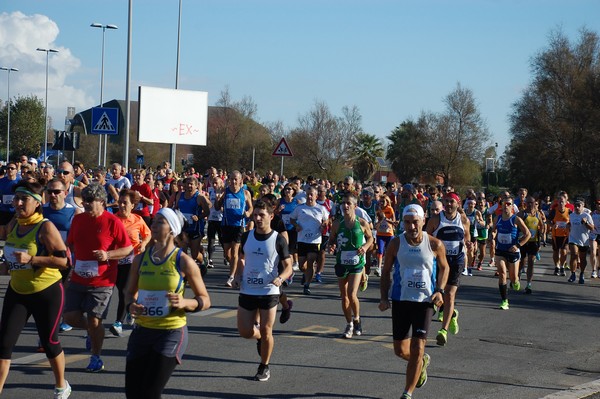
(173, 219)
(413, 210)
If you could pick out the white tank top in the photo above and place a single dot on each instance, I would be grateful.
(414, 271)
(70, 198)
(260, 266)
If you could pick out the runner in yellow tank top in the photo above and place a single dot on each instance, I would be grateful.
(155, 296)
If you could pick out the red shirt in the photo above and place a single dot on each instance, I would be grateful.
(142, 208)
(105, 232)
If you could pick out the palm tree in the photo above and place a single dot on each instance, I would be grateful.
(365, 150)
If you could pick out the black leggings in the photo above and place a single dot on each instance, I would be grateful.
(46, 308)
(214, 230)
(147, 375)
(122, 275)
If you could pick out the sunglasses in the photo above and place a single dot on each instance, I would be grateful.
(11, 168)
(55, 192)
(89, 199)
(508, 203)
(64, 172)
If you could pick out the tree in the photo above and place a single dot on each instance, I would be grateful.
(26, 125)
(234, 136)
(322, 141)
(556, 123)
(365, 149)
(441, 144)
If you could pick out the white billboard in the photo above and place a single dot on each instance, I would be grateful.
(172, 116)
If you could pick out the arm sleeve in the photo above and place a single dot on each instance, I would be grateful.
(282, 247)
(243, 242)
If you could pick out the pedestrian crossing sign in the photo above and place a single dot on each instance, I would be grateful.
(282, 149)
(105, 120)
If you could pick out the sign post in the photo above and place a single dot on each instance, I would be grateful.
(282, 150)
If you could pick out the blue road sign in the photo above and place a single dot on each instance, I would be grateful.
(105, 120)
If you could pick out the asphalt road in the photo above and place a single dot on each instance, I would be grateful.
(545, 344)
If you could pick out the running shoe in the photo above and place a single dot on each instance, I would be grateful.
(562, 271)
(581, 279)
(286, 313)
(306, 290)
(296, 267)
(557, 271)
(423, 377)
(378, 272)
(453, 327)
(406, 395)
(442, 337)
(470, 271)
(210, 264)
(594, 274)
(225, 262)
(465, 272)
(263, 373)
(63, 393)
(440, 316)
(572, 278)
(65, 327)
(96, 364)
(504, 304)
(229, 282)
(129, 320)
(364, 284)
(538, 256)
(290, 280)
(492, 263)
(116, 329)
(357, 328)
(348, 331)
(479, 266)
(528, 289)
(516, 285)
(318, 278)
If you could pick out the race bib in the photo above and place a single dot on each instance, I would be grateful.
(561, 225)
(416, 281)
(11, 259)
(127, 260)
(452, 247)
(349, 258)
(156, 303)
(7, 199)
(504, 238)
(86, 268)
(188, 218)
(233, 203)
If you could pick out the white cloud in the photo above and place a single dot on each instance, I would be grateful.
(20, 36)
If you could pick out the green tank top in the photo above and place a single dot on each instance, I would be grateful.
(348, 242)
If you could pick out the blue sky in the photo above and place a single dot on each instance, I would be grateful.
(392, 59)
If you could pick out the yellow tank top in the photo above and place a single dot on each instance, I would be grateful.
(533, 224)
(155, 281)
(25, 278)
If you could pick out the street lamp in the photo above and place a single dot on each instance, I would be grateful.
(9, 70)
(104, 28)
(47, 51)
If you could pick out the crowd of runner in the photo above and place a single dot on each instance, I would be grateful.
(72, 235)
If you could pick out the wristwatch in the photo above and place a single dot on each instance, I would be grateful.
(441, 291)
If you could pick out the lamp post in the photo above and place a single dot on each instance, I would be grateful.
(9, 70)
(104, 28)
(47, 51)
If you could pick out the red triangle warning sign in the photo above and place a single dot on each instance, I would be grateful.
(282, 149)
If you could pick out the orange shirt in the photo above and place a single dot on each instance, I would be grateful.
(136, 229)
(385, 228)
